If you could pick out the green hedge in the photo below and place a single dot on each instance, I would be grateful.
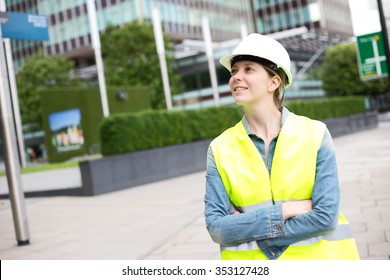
(326, 108)
(121, 133)
(131, 132)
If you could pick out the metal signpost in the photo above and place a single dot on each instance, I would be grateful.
(382, 18)
(12, 165)
(17, 26)
(210, 58)
(371, 56)
(158, 36)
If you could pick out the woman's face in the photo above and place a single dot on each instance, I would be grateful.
(250, 82)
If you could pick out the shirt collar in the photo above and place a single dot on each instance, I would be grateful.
(285, 113)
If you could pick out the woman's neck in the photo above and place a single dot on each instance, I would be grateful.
(264, 120)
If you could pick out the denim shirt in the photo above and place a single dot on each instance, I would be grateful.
(266, 225)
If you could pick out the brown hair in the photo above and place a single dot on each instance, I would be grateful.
(279, 92)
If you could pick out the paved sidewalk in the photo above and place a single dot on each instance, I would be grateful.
(164, 220)
(45, 183)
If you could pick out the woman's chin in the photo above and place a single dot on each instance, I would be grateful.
(240, 99)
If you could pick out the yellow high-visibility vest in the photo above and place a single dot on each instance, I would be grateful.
(251, 187)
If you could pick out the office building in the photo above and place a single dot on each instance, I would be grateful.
(69, 31)
(305, 27)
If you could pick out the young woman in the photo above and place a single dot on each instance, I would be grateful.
(272, 187)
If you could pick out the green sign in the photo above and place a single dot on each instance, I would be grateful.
(371, 56)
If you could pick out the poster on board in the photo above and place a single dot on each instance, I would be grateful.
(66, 130)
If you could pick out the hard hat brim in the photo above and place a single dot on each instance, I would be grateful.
(226, 62)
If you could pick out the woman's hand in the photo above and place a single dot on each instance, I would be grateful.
(293, 208)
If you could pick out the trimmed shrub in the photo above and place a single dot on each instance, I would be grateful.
(122, 133)
(327, 108)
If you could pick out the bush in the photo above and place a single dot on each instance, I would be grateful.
(122, 133)
(326, 108)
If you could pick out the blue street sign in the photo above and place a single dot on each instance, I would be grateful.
(25, 26)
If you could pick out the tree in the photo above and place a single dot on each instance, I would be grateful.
(340, 74)
(130, 58)
(39, 73)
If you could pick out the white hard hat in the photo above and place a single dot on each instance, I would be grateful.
(264, 47)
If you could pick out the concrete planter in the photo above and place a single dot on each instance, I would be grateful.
(117, 172)
(353, 123)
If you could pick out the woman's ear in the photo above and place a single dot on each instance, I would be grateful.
(275, 83)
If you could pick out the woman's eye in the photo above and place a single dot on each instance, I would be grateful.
(245, 69)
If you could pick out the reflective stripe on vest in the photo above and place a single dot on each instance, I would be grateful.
(251, 187)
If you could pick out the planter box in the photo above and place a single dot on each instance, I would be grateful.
(122, 171)
(118, 172)
(353, 123)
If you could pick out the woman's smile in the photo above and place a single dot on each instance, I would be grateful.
(239, 89)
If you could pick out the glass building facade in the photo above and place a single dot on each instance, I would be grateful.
(69, 31)
(326, 15)
(304, 27)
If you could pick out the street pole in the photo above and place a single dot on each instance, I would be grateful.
(12, 165)
(385, 37)
(158, 37)
(98, 55)
(210, 57)
(15, 103)
(244, 31)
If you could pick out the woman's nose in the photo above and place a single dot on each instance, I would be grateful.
(237, 75)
